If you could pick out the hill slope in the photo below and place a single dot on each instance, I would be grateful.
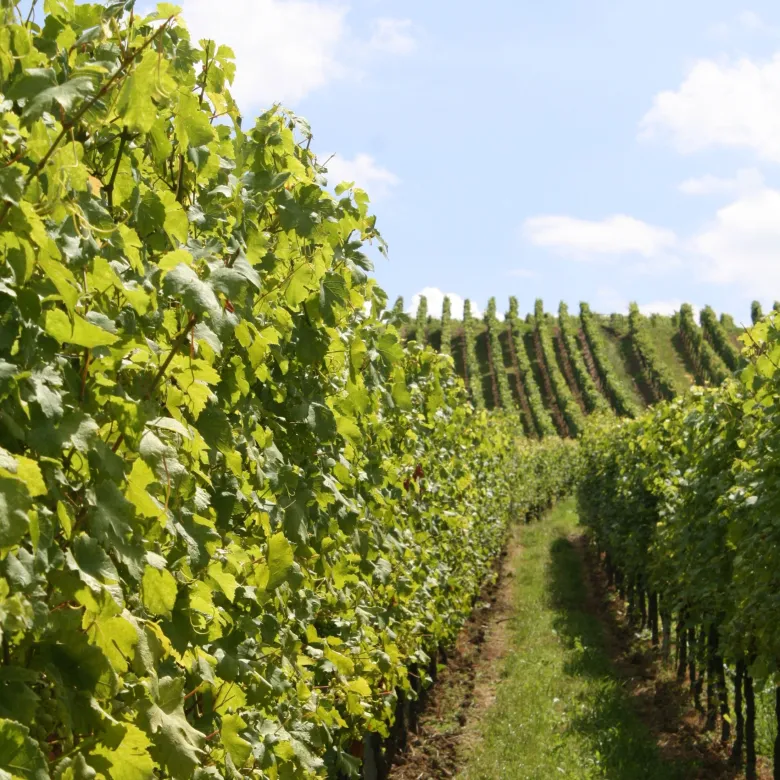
(555, 369)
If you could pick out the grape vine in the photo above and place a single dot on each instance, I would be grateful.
(622, 403)
(473, 370)
(232, 505)
(421, 321)
(657, 374)
(718, 336)
(541, 417)
(707, 364)
(499, 371)
(575, 420)
(594, 400)
(446, 327)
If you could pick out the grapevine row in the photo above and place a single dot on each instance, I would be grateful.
(446, 327)
(706, 362)
(238, 519)
(717, 335)
(621, 402)
(473, 371)
(524, 371)
(683, 505)
(657, 374)
(499, 372)
(568, 405)
(421, 321)
(594, 400)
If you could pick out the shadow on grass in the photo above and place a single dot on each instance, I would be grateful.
(623, 745)
(635, 370)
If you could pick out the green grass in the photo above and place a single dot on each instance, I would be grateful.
(560, 711)
(664, 333)
(615, 354)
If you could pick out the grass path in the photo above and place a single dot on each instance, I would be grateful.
(559, 709)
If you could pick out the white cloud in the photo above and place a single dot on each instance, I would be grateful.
(741, 246)
(285, 49)
(746, 180)
(435, 298)
(746, 22)
(665, 307)
(364, 171)
(609, 301)
(394, 36)
(585, 239)
(751, 21)
(726, 104)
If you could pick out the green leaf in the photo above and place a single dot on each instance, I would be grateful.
(140, 477)
(301, 284)
(280, 560)
(62, 279)
(20, 756)
(23, 469)
(175, 221)
(148, 82)
(92, 563)
(178, 745)
(388, 347)
(343, 664)
(32, 83)
(14, 505)
(238, 748)
(18, 701)
(64, 96)
(123, 753)
(11, 184)
(76, 331)
(158, 591)
(224, 579)
(113, 634)
(183, 283)
(192, 125)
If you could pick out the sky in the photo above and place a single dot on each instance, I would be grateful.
(605, 151)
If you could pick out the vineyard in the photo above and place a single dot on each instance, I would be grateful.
(553, 371)
(235, 486)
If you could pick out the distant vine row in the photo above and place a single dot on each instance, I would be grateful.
(706, 362)
(717, 335)
(541, 417)
(621, 401)
(575, 420)
(657, 374)
(421, 321)
(446, 327)
(497, 361)
(473, 370)
(594, 400)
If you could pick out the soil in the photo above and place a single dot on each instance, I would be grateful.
(557, 415)
(662, 702)
(590, 363)
(466, 688)
(568, 372)
(448, 726)
(519, 389)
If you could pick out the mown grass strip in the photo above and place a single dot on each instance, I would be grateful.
(560, 711)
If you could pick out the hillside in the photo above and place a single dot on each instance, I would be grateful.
(554, 369)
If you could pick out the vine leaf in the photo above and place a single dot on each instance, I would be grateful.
(280, 560)
(20, 755)
(77, 330)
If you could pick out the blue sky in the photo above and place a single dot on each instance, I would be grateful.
(574, 149)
